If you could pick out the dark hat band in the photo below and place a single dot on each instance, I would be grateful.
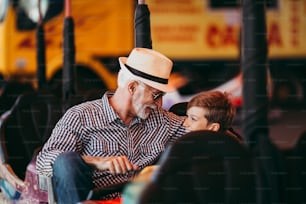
(146, 76)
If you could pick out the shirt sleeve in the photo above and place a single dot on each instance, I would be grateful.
(65, 137)
(176, 126)
(180, 130)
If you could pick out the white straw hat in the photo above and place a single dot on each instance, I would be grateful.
(150, 67)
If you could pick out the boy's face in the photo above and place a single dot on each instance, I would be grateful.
(196, 119)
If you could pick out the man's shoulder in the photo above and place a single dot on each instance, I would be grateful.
(86, 106)
(166, 117)
(89, 113)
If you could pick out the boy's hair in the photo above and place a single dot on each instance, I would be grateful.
(218, 105)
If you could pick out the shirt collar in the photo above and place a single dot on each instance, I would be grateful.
(111, 114)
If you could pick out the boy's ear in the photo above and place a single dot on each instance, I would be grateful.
(214, 127)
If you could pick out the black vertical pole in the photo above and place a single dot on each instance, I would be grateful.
(254, 70)
(40, 51)
(142, 26)
(69, 54)
(255, 100)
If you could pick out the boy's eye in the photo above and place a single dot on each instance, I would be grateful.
(193, 118)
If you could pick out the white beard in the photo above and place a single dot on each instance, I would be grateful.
(142, 110)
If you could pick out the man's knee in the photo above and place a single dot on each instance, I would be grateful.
(67, 164)
(65, 159)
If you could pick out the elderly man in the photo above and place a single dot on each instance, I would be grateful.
(108, 141)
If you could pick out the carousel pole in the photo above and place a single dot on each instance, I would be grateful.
(254, 52)
(40, 51)
(142, 25)
(69, 54)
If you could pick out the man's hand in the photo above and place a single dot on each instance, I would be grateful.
(115, 164)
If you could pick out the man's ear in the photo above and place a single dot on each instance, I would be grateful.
(214, 127)
(131, 86)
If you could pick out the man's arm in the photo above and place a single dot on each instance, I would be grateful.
(115, 164)
(64, 138)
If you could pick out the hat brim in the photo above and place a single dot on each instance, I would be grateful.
(159, 86)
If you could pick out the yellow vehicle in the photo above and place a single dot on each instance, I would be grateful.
(208, 29)
(201, 36)
(205, 33)
(103, 31)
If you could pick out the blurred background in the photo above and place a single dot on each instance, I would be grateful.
(202, 37)
(40, 38)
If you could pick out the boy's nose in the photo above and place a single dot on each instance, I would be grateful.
(185, 124)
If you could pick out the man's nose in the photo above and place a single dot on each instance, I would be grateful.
(159, 101)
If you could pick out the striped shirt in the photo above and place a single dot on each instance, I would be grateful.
(93, 128)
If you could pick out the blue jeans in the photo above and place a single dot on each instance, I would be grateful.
(72, 178)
